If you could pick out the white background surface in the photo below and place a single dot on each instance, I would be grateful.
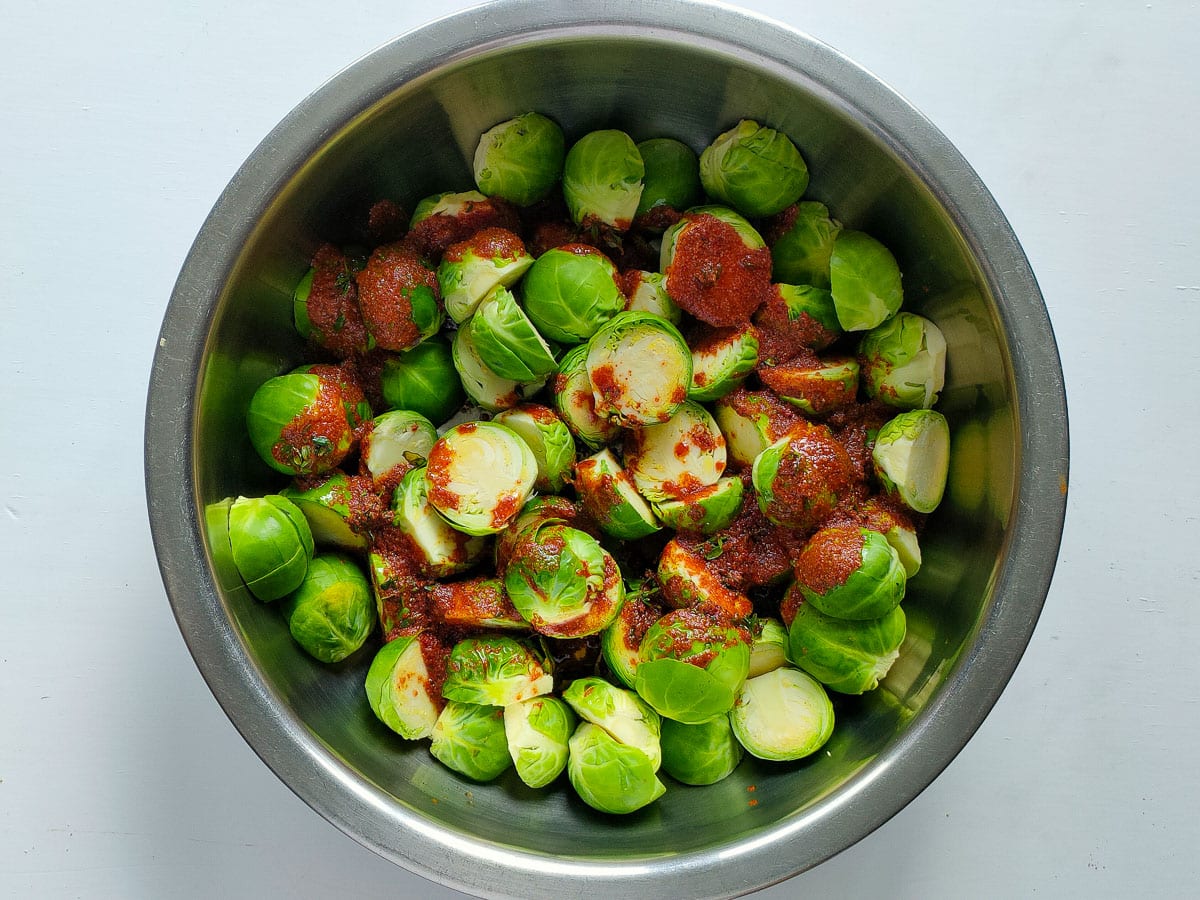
(119, 125)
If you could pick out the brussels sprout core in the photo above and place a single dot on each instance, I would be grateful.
(912, 458)
(680, 456)
(271, 543)
(479, 476)
(782, 715)
(331, 614)
(602, 179)
(494, 670)
(850, 573)
(521, 159)
(904, 361)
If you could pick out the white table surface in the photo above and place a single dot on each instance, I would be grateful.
(120, 123)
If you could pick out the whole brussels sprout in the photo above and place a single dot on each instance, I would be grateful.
(904, 361)
(470, 740)
(802, 243)
(602, 179)
(325, 304)
(846, 656)
(703, 753)
(756, 170)
(423, 380)
(608, 775)
(271, 544)
(398, 684)
(782, 715)
(570, 291)
(537, 731)
(399, 298)
(331, 613)
(911, 458)
(548, 437)
(802, 477)
(850, 573)
(672, 178)
(864, 281)
(520, 159)
(494, 670)
(298, 423)
(506, 340)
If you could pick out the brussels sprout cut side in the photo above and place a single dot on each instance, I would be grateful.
(754, 169)
(326, 507)
(472, 269)
(621, 713)
(537, 731)
(782, 715)
(399, 437)
(479, 476)
(398, 685)
(647, 293)
(912, 458)
(904, 361)
(482, 385)
(640, 368)
(620, 642)
(521, 159)
(575, 401)
(680, 456)
(611, 499)
(438, 549)
(769, 650)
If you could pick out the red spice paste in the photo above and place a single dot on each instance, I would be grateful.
(714, 275)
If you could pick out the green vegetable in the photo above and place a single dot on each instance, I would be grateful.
(817, 389)
(298, 424)
(470, 740)
(506, 340)
(537, 731)
(520, 159)
(494, 670)
(571, 291)
(904, 361)
(483, 386)
(575, 401)
(706, 510)
(703, 753)
(438, 549)
(850, 573)
(397, 686)
(912, 458)
(769, 650)
(687, 580)
(721, 361)
(548, 437)
(271, 544)
(423, 380)
(649, 295)
(399, 437)
(672, 175)
(608, 495)
(680, 456)
(801, 477)
(865, 281)
(800, 255)
(602, 179)
(479, 476)
(846, 656)
(620, 642)
(608, 775)
(331, 613)
(621, 713)
(754, 169)
(782, 715)
(326, 507)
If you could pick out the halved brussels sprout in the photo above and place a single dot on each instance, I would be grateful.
(794, 319)
(550, 440)
(703, 753)
(846, 656)
(299, 425)
(474, 603)
(754, 169)
(544, 510)
(802, 477)
(608, 775)
(620, 642)
(687, 581)
(471, 269)
(399, 298)
(479, 476)
(769, 650)
(401, 595)
(750, 421)
(647, 292)
(864, 280)
(423, 380)
(693, 664)
(445, 203)
(506, 340)
(575, 401)
(483, 386)
(802, 243)
(850, 573)
(602, 179)
(331, 613)
(672, 176)
(439, 550)
(621, 713)
(912, 458)
(398, 684)
(706, 510)
(570, 291)
(782, 715)
(494, 670)
(520, 159)
(718, 268)
(898, 530)
(470, 740)
(400, 437)
(609, 496)
(326, 506)
(563, 582)
(325, 304)
(721, 360)
(271, 544)
(904, 361)
(680, 456)
(816, 389)
(537, 731)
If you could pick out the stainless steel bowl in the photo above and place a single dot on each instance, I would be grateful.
(403, 122)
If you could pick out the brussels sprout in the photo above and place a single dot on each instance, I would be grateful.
(620, 642)
(782, 715)
(844, 655)
(298, 424)
(801, 477)
(216, 526)
(570, 291)
(479, 476)
(672, 176)
(904, 361)
(537, 731)
(912, 458)
(548, 437)
(621, 713)
(401, 595)
(693, 664)
(354, 403)
(769, 650)
(399, 437)
(647, 292)
(521, 159)
(331, 614)
(470, 740)
(271, 543)
(850, 573)
(472, 269)
(815, 389)
(602, 179)
(563, 582)
(546, 510)
(750, 421)
(575, 401)
(438, 549)
(687, 581)
(446, 203)
(423, 380)
(608, 775)
(680, 456)
(754, 169)
(703, 753)
(705, 510)
(506, 340)
(864, 280)
(494, 670)
(482, 385)
(474, 603)
(717, 267)
(325, 304)
(898, 530)
(803, 244)
(326, 507)
(721, 360)
(398, 684)
(608, 495)
(795, 317)
(399, 298)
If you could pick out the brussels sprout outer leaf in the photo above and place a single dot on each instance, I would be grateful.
(506, 340)
(494, 670)
(571, 291)
(846, 656)
(865, 281)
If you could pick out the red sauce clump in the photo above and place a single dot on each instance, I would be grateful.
(784, 339)
(490, 243)
(830, 557)
(714, 275)
(319, 437)
(332, 304)
(473, 603)
(814, 473)
(801, 382)
(386, 222)
(386, 288)
(437, 477)
(433, 235)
